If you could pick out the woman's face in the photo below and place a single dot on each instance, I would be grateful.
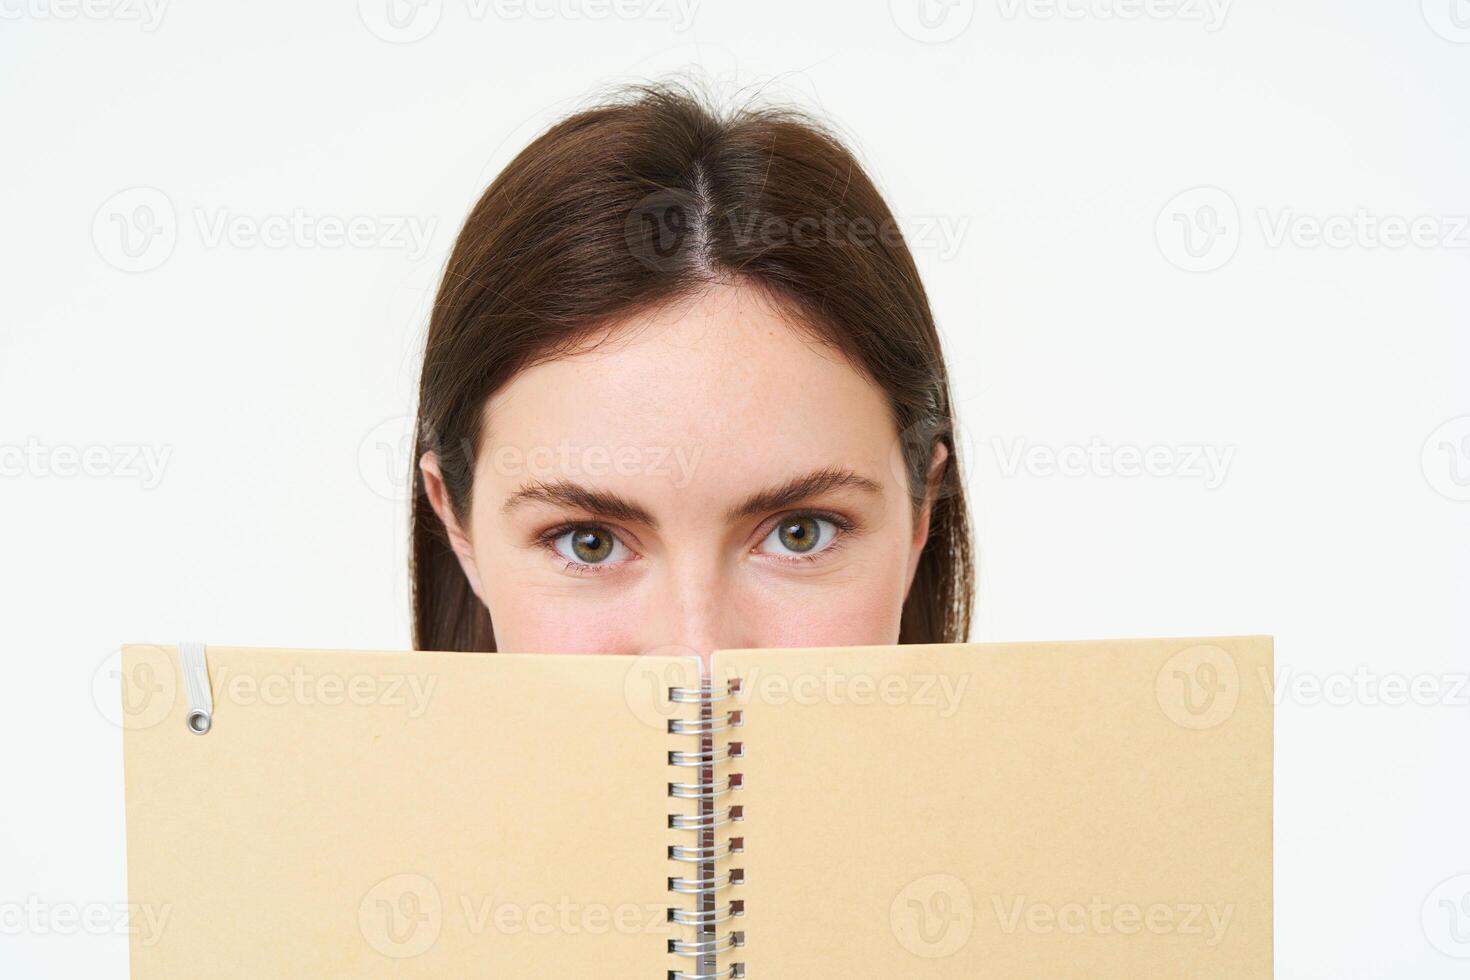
(708, 477)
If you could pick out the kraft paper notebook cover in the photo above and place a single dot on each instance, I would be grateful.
(1080, 809)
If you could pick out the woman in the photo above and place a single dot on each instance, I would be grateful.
(683, 391)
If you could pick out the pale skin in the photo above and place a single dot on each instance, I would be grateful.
(708, 477)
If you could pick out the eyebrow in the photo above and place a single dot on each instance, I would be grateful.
(610, 505)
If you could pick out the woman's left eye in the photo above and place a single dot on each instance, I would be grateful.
(799, 536)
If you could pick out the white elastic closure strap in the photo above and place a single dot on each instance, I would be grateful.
(196, 687)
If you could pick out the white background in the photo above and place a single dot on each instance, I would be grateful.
(1046, 163)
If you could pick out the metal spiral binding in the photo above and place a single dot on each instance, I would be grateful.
(707, 887)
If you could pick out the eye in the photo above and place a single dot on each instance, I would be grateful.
(590, 544)
(799, 535)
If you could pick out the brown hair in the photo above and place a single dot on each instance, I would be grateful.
(643, 199)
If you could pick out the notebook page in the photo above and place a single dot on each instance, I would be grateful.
(1087, 810)
(399, 814)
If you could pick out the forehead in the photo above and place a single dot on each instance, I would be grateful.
(726, 374)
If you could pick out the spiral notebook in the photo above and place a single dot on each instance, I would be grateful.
(1075, 809)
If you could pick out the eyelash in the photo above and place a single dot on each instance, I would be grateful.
(844, 525)
(547, 540)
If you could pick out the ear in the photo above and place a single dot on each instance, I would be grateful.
(458, 539)
(932, 480)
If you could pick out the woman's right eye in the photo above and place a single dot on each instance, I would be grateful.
(590, 544)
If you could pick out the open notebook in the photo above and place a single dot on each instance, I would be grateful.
(1078, 809)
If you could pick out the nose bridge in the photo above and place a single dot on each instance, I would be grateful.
(692, 601)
